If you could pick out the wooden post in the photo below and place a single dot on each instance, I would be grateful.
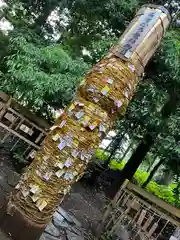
(102, 98)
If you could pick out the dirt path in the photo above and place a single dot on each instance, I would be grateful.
(86, 204)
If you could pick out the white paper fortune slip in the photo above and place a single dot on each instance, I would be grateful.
(60, 165)
(55, 137)
(80, 104)
(85, 121)
(62, 145)
(62, 124)
(34, 189)
(68, 163)
(47, 176)
(74, 153)
(25, 192)
(66, 190)
(130, 86)
(131, 67)
(59, 173)
(105, 90)
(96, 100)
(38, 173)
(100, 134)
(68, 176)
(82, 156)
(68, 140)
(53, 127)
(102, 128)
(108, 80)
(128, 54)
(93, 125)
(32, 154)
(118, 103)
(126, 94)
(79, 114)
(75, 173)
(18, 186)
(35, 198)
(41, 204)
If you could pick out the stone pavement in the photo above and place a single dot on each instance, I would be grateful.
(65, 226)
(8, 179)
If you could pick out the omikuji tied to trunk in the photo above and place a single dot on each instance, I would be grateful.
(102, 97)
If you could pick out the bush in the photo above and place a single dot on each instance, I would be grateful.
(117, 165)
(140, 176)
(101, 155)
(163, 192)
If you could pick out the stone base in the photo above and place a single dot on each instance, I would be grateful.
(18, 227)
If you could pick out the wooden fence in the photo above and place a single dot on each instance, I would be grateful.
(20, 126)
(140, 214)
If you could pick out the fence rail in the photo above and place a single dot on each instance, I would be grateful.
(139, 213)
(21, 125)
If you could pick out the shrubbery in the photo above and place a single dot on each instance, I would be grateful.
(161, 191)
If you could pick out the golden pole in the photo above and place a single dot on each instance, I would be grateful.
(102, 97)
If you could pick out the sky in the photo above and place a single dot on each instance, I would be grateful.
(5, 26)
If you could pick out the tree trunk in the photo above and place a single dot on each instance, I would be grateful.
(41, 20)
(45, 13)
(97, 172)
(153, 172)
(155, 156)
(115, 146)
(166, 177)
(144, 147)
(101, 99)
(149, 168)
(127, 150)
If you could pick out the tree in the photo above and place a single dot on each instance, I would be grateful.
(167, 148)
(166, 70)
(37, 12)
(47, 71)
(78, 130)
(91, 21)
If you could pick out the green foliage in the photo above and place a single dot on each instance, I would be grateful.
(164, 69)
(116, 165)
(98, 49)
(94, 20)
(163, 192)
(101, 155)
(140, 176)
(41, 76)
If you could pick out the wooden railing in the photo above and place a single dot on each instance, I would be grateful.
(140, 214)
(18, 122)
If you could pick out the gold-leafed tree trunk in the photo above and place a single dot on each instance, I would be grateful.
(102, 97)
